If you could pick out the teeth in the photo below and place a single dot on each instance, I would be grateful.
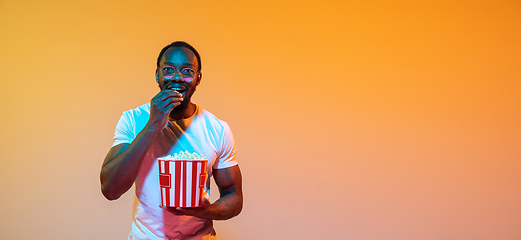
(177, 89)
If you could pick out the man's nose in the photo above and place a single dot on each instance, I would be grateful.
(177, 77)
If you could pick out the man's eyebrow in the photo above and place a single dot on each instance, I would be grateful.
(170, 63)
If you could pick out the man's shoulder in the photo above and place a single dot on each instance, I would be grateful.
(211, 118)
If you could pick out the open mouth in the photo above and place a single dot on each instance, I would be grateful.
(179, 90)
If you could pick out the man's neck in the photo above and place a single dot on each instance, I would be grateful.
(188, 112)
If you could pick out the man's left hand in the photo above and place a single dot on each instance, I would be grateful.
(229, 204)
(200, 212)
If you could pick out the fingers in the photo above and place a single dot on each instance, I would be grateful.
(161, 106)
(173, 210)
(166, 100)
(168, 96)
(186, 211)
(180, 210)
(169, 93)
(192, 211)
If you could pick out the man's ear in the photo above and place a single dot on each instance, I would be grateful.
(199, 78)
(157, 77)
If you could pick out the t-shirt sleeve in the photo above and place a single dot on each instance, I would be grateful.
(226, 157)
(125, 130)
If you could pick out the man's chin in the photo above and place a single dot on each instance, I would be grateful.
(180, 109)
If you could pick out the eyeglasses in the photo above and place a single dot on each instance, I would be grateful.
(187, 74)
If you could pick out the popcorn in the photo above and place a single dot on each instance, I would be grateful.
(184, 156)
(182, 179)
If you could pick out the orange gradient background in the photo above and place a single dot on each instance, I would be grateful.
(353, 119)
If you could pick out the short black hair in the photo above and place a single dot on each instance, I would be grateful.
(180, 44)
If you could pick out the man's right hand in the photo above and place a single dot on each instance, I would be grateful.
(160, 107)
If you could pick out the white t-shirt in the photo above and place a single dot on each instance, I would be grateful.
(202, 133)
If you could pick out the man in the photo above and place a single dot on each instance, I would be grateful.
(171, 123)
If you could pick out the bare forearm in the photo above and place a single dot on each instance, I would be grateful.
(226, 207)
(118, 173)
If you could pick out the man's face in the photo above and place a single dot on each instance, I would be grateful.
(179, 58)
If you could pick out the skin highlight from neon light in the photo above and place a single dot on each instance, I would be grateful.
(186, 79)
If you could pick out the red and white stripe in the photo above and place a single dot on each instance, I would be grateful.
(182, 182)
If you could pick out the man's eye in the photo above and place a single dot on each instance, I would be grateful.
(168, 69)
(188, 71)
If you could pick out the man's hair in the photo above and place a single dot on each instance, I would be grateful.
(180, 44)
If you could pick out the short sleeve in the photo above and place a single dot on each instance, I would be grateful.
(226, 157)
(125, 130)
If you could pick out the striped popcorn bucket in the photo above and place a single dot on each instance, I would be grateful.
(182, 182)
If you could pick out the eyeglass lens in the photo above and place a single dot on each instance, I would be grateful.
(170, 72)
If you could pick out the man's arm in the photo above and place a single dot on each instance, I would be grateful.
(123, 161)
(122, 164)
(229, 181)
